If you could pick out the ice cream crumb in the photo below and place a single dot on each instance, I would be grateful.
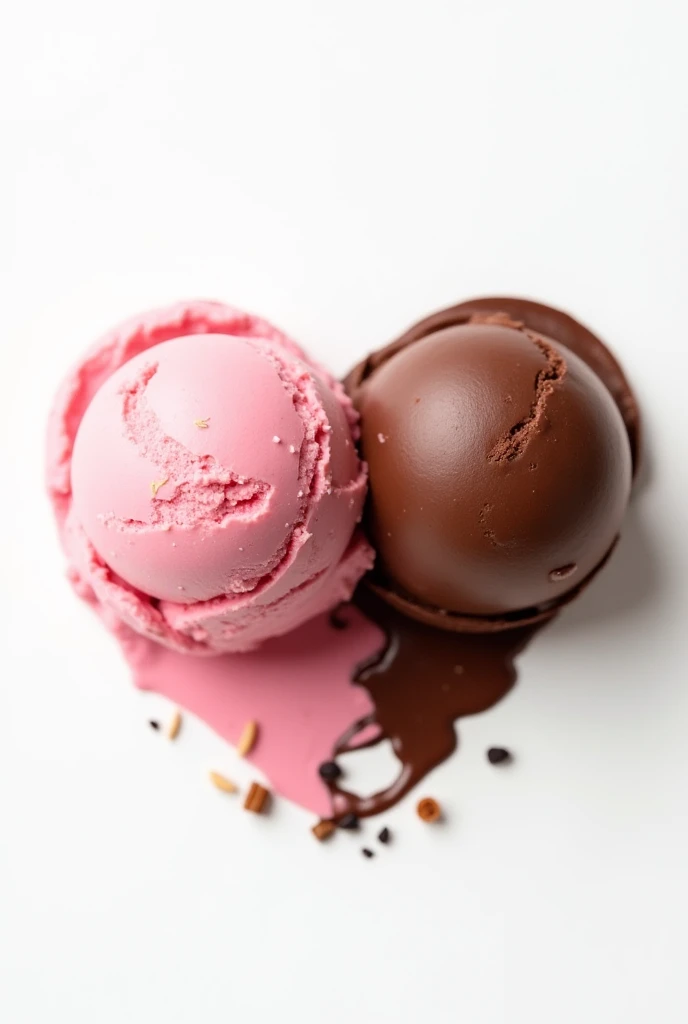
(277, 440)
(381, 438)
(157, 484)
(299, 494)
(292, 449)
(202, 424)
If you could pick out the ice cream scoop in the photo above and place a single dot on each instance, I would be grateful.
(207, 480)
(500, 463)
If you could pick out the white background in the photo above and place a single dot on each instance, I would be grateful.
(344, 169)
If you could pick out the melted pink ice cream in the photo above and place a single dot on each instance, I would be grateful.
(206, 482)
(297, 687)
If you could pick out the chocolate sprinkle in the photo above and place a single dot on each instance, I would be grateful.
(367, 853)
(498, 755)
(329, 770)
(348, 821)
(385, 835)
(153, 724)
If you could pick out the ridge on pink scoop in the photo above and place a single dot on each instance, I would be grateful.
(207, 538)
(297, 688)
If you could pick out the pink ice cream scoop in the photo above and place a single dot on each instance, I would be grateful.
(206, 481)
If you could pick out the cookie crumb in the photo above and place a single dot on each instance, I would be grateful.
(222, 783)
(323, 830)
(257, 799)
(174, 726)
(157, 484)
(247, 740)
(428, 809)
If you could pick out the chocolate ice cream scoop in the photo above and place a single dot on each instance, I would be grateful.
(500, 463)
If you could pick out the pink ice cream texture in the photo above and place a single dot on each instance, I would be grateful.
(205, 480)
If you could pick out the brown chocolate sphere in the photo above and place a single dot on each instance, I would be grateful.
(500, 469)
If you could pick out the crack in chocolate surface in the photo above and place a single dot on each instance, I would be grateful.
(516, 440)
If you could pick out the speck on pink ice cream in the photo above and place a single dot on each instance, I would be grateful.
(206, 480)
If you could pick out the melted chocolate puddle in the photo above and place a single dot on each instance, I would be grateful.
(420, 683)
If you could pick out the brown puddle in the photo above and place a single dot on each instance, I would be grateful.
(420, 683)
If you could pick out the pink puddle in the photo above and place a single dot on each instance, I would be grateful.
(297, 687)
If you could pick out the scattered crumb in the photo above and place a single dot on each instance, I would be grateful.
(223, 783)
(292, 449)
(174, 726)
(499, 755)
(329, 770)
(323, 830)
(257, 799)
(384, 836)
(299, 494)
(157, 484)
(349, 821)
(382, 438)
(277, 440)
(153, 724)
(249, 735)
(428, 809)
(367, 853)
(202, 424)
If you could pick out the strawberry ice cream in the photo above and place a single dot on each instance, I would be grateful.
(206, 481)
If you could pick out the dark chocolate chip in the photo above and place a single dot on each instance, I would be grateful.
(153, 724)
(498, 755)
(337, 621)
(366, 852)
(349, 821)
(329, 770)
(385, 835)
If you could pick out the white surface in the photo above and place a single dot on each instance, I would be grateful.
(344, 169)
